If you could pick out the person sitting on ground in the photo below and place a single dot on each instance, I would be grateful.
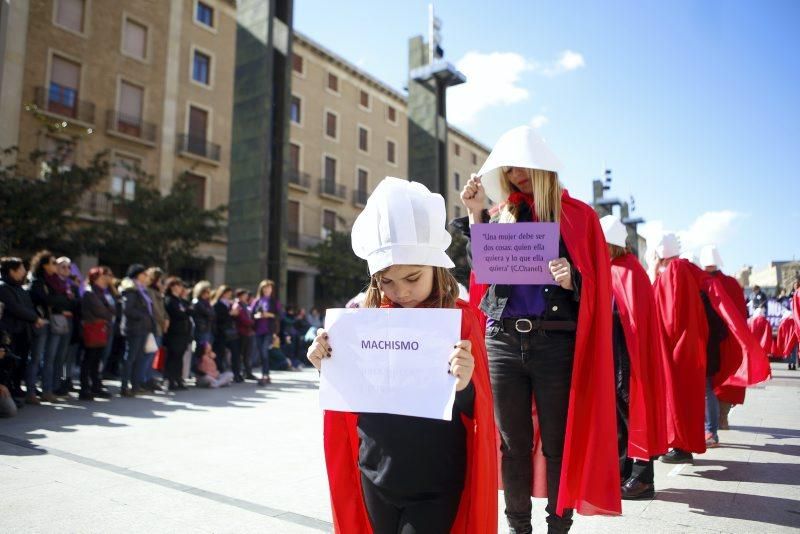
(8, 407)
(208, 375)
(277, 359)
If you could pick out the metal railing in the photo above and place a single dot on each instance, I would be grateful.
(64, 101)
(96, 203)
(132, 126)
(198, 146)
(331, 188)
(303, 179)
(301, 241)
(360, 197)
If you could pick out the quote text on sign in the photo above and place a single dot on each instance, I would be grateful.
(516, 253)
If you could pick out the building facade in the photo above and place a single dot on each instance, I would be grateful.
(148, 81)
(348, 131)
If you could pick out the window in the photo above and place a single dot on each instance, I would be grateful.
(198, 128)
(201, 68)
(391, 114)
(390, 152)
(331, 125)
(69, 14)
(328, 223)
(197, 185)
(457, 149)
(295, 110)
(57, 151)
(131, 102)
(62, 95)
(333, 82)
(363, 139)
(294, 158)
(474, 158)
(364, 99)
(458, 181)
(205, 14)
(293, 217)
(330, 170)
(297, 63)
(123, 179)
(362, 180)
(134, 39)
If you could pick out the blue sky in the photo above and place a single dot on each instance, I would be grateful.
(694, 105)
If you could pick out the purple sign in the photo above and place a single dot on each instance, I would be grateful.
(514, 253)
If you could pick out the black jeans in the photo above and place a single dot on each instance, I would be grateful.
(544, 375)
(90, 370)
(422, 514)
(629, 468)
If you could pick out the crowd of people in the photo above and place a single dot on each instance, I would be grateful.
(150, 331)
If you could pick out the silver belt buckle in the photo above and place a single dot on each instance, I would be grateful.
(523, 322)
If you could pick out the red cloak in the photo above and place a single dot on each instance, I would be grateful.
(647, 416)
(590, 462)
(787, 337)
(683, 335)
(796, 312)
(762, 330)
(730, 348)
(477, 513)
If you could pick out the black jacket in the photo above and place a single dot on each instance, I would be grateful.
(203, 315)
(225, 327)
(45, 301)
(561, 304)
(136, 317)
(180, 322)
(19, 314)
(95, 307)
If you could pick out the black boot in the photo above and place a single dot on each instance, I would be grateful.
(636, 489)
(677, 456)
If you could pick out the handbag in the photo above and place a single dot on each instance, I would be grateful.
(150, 346)
(160, 359)
(95, 334)
(59, 324)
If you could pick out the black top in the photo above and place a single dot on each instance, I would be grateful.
(18, 315)
(622, 363)
(413, 455)
(717, 332)
(180, 323)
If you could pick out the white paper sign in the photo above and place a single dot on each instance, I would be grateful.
(390, 360)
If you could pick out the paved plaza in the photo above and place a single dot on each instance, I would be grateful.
(248, 459)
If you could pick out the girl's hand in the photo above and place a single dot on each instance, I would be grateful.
(562, 272)
(319, 349)
(472, 195)
(462, 363)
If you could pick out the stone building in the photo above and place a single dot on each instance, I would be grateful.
(149, 81)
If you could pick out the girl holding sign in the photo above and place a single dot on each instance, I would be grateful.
(392, 473)
(549, 346)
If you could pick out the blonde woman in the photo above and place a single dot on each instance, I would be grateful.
(549, 346)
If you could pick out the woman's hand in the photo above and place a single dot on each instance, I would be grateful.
(473, 196)
(319, 349)
(562, 272)
(462, 363)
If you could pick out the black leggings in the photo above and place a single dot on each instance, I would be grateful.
(424, 514)
(90, 370)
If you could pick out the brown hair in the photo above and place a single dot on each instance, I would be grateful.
(221, 290)
(616, 251)
(171, 282)
(443, 294)
(546, 194)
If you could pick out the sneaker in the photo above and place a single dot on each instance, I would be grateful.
(49, 397)
(85, 396)
(677, 456)
(125, 392)
(712, 442)
(101, 394)
(250, 376)
(32, 399)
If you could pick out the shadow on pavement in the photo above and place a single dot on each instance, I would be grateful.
(771, 510)
(775, 433)
(759, 473)
(33, 422)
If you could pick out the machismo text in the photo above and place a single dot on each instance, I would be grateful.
(389, 345)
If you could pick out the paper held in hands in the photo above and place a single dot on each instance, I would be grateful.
(390, 360)
(514, 253)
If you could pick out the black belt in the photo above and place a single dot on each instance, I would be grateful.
(525, 325)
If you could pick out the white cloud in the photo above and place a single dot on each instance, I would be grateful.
(492, 80)
(711, 227)
(567, 61)
(538, 121)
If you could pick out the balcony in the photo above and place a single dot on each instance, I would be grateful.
(299, 180)
(63, 102)
(130, 127)
(331, 190)
(96, 204)
(302, 242)
(199, 148)
(360, 198)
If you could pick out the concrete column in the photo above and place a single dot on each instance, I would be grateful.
(166, 171)
(13, 43)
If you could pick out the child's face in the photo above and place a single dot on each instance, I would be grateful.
(407, 285)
